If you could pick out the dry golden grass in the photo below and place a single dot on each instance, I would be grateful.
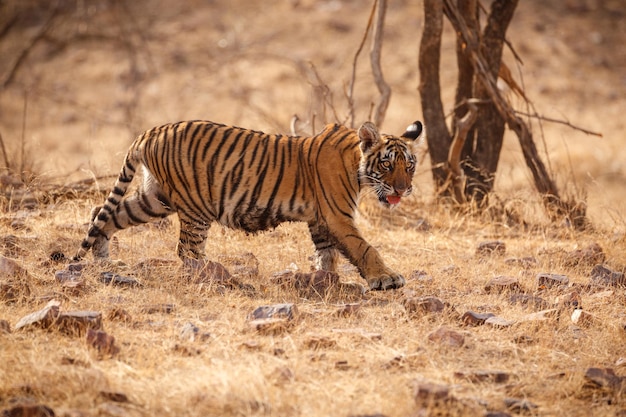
(326, 363)
(124, 70)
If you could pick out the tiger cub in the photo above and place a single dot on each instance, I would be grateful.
(244, 179)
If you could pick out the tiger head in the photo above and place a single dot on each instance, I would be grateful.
(388, 162)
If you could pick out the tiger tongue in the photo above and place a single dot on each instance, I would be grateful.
(393, 199)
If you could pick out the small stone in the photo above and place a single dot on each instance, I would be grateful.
(519, 405)
(78, 322)
(498, 377)
(501, 284)
(472, 318)
(604, 378)
(285, 311)
(310, 284)
(430, 393)
(527, 300)
(489, 248)
(189, 331)
(200, 271)
(14, 290)
(270, 326)
(158, 308)
(499, 322)
(420, 306)
(545, 280)
(342, 365)
(5, 327)
(10, 268)
(111, 278)
(588, 256)
(28, 410)
(117, 397)
(525, 262)
(582, 318)
(601, 275)
(348, 310)
(569, 301)
(447, 337)
(102, 342)
(66, 275)
(43, 318)
(542, 315)
(316, 342)
(497, 414)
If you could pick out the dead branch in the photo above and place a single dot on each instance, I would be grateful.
(326, 93)
(24, 54)
(463, 126)
(377, 72)
(558, 121)
(350, 94)
(292, 125)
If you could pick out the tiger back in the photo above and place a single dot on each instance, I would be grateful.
(244, 179)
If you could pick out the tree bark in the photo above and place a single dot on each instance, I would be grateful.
(437, 134)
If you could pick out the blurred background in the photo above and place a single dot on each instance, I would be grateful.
(80, 79)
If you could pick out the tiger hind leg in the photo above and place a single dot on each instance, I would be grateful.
(147, 204)
(326, 256)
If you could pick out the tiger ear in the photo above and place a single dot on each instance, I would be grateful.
(369, 136)
(415, 132)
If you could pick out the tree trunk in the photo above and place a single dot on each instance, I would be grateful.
(437, 134)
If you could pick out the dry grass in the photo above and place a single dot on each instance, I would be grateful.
(103, 75)
(327, 363)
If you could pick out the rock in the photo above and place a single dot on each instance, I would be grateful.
(28, 410)
(78, 322)
(190, 332)
(498, 377)
(582, 318)
(348, 310)
(529, 301)
(316, 342)
(588, 256)
(74, 287)
(65, 275)
(200, 271)
(497, 414)
(601, 275)
(420, 306)
(525, 262)
(43, 318)
(111, 278)
(5, 327)
(490, 248)
(310, 284)
(543, 315)
(430, 394)
(11, 269)
(273, 319)
(158, 308)
(472, 318)
(102, 342)
(287, 311)
(519, 405)
(545, 280)
(604, 378)
(271, 326)
(499, 322)
(118, 397)
(501, 284)
(569, 301)
(447, 337)
(342, 365)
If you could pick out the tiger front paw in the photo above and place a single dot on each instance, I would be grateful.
(386, 282)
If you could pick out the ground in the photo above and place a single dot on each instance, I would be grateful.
(104, 71)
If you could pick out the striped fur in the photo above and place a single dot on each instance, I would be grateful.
(244, 179)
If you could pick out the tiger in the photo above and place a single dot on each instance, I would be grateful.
(245, 179)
